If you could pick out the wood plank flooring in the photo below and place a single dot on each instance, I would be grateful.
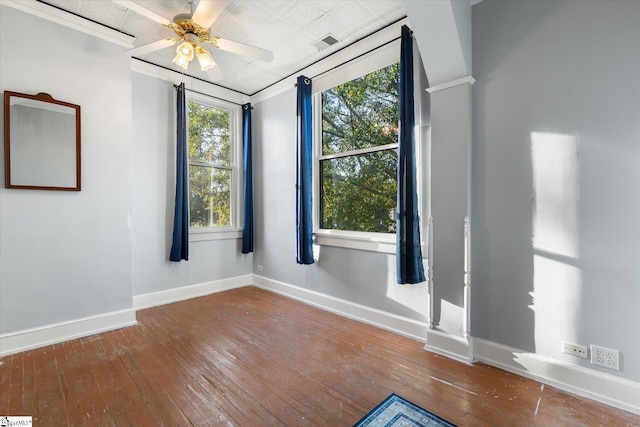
(248, 357)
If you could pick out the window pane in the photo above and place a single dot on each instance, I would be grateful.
(362, 113)
(210, 196)
(209, 130)
(358, 193)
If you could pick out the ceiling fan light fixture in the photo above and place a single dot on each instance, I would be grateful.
(184, 54)
(185, 49)
(205, 59)
(182, 61)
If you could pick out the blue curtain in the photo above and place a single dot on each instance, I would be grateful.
(247, 179)
(304, 185)
(180, 244)
(408, 250)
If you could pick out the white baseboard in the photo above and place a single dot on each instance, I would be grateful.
(452, 346)
(595, 385)
(405, 326)
(168, 296)
(29, 339)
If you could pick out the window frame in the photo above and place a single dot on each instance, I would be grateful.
(233, 231)
(372, 61)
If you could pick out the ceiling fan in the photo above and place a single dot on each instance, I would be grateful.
(193, 32)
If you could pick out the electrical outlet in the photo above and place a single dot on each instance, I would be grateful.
(260, 268)
(607, 357)
(574, 350)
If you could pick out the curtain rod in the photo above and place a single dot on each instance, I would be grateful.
(175, 86)
(352, 59)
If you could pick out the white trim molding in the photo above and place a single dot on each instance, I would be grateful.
(15, 342)
(452, 346)
(466, 322)
(430, 321)
(196, 235)
(59, 16)
(464, 80)
(374, 242)
(168, 296)
(404, 326)
(609, 389)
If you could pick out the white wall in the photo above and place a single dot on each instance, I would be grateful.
(66, 255)
(555, 177)
(154, 159)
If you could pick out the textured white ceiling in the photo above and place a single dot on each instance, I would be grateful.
(289, 28)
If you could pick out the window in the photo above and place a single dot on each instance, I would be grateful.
(357, 160)
(213, 171)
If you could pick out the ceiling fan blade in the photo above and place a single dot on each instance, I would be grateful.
(244, 49)
(142, 11)
(208, 11)
(151, 47)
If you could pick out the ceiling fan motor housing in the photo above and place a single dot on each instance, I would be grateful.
(190, 37)
(184, 27)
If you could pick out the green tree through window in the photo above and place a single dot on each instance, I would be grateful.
(210, 166)
(358, 163)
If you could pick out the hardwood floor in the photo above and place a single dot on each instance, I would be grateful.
(248, 357)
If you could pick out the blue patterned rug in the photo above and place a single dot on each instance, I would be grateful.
(398, 412)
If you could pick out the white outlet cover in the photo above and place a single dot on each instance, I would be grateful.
(606, 357)
(574, 350)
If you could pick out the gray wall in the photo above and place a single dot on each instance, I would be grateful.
(566, 72)
(362, 277)
(67, 255)
(154, 159)
(449, 192)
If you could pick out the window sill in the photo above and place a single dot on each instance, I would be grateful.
(213, 233)
(374, 242)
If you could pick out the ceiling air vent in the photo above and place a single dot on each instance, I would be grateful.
(325, 42)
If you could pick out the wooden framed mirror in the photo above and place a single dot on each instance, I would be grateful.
(41, 142)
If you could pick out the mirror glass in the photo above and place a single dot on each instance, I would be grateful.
(42, 142)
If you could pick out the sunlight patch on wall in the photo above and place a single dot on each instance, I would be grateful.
(556, 299)
(451, 316)
(411, 296)
(316, 252)
(555, 191)
(557, 279)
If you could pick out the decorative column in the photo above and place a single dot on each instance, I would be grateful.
(450, 226)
